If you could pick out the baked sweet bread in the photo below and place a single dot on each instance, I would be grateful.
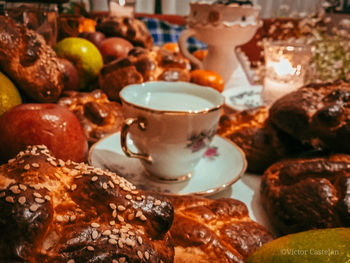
(97, 114)
(29, 61)
(261, 142)
(132, 29)
(307, 193)
(206, 230)
(317, 114)
(56, 211)
(143, 65)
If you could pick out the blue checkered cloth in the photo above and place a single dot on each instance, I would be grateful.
(164, 32)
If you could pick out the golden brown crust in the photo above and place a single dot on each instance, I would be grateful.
(143, 65)
(56, 211)
(261, 142)
(206, 230)
(97, 114)
(317, 114)
(129, 28)
(29, 61)
(307, 193)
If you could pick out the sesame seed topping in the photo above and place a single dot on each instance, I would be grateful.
(33, 207)
(120, 243)
(115, 230)
(114, 213)
(59, 218)
(112, 241)
(35, 165)
(95, 225)
(105, 186)
(71, 261)
(11, 161)
(139, 240)
(14, 189)
(94, 178)
(113, 236)
(121, 208)
(9, 199)
(72, 218)
(139, 254)
(47, 197)
(73, 187)
(37, 195)
(26, 167)
(120, 218)
(113, 206)
(122, 260)
(90, 248)
(106, 232)
(111, 184)
(129, 242)
(147, 255)
(61, 162)
(143, 218)
(115, 261)
(139, 198)
(22, 200)
(94, 234)
(112, 223)
(138, 214)
(129, 197)
(22, 187)
(157, 202)
(39, 200)
(53, 163)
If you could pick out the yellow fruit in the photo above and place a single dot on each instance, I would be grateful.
(84, 55)
(321, 245)
(9, 95)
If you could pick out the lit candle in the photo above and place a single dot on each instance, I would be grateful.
(285, 69)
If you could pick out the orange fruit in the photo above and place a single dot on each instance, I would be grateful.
(173, 47)
(208, 78)
(200, 53)
(84, 55)
(87, 25)
(9, 95)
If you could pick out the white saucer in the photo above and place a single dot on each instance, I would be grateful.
(242, 98)
(223, 165)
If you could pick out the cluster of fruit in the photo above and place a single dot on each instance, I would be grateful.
(81, 59)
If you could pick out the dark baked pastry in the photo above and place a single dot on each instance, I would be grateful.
(307, 193)
(29, 61)
(56, 211)
(317, 114)
(97, 114)
(129, 28)
(206, 230)
(143, 65)
(261, 142)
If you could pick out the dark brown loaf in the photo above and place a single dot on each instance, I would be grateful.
(261, 142)
(97, 114)
(129, 28)
(220, 231)
(307, 193)
(317, 114)
(143, 65)
(29, 61)
(55, 211)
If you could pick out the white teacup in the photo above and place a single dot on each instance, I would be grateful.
(171, 124)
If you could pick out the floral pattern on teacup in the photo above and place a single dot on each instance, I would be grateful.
(211, 153)
(200, 141)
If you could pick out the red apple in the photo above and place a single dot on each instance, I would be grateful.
(94, 37)
(70, 75)
(49, 124)
(114, 47)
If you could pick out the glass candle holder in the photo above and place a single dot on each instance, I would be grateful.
(286, 66)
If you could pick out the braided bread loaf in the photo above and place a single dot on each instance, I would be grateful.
(29, 61)
(143, 65)
(307, 193)
(220, 231)
(97, 114)
(56, 211)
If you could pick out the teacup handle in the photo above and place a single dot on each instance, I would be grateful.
(182, 41)
(142, 124)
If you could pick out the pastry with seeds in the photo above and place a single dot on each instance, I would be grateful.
(56, 211)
